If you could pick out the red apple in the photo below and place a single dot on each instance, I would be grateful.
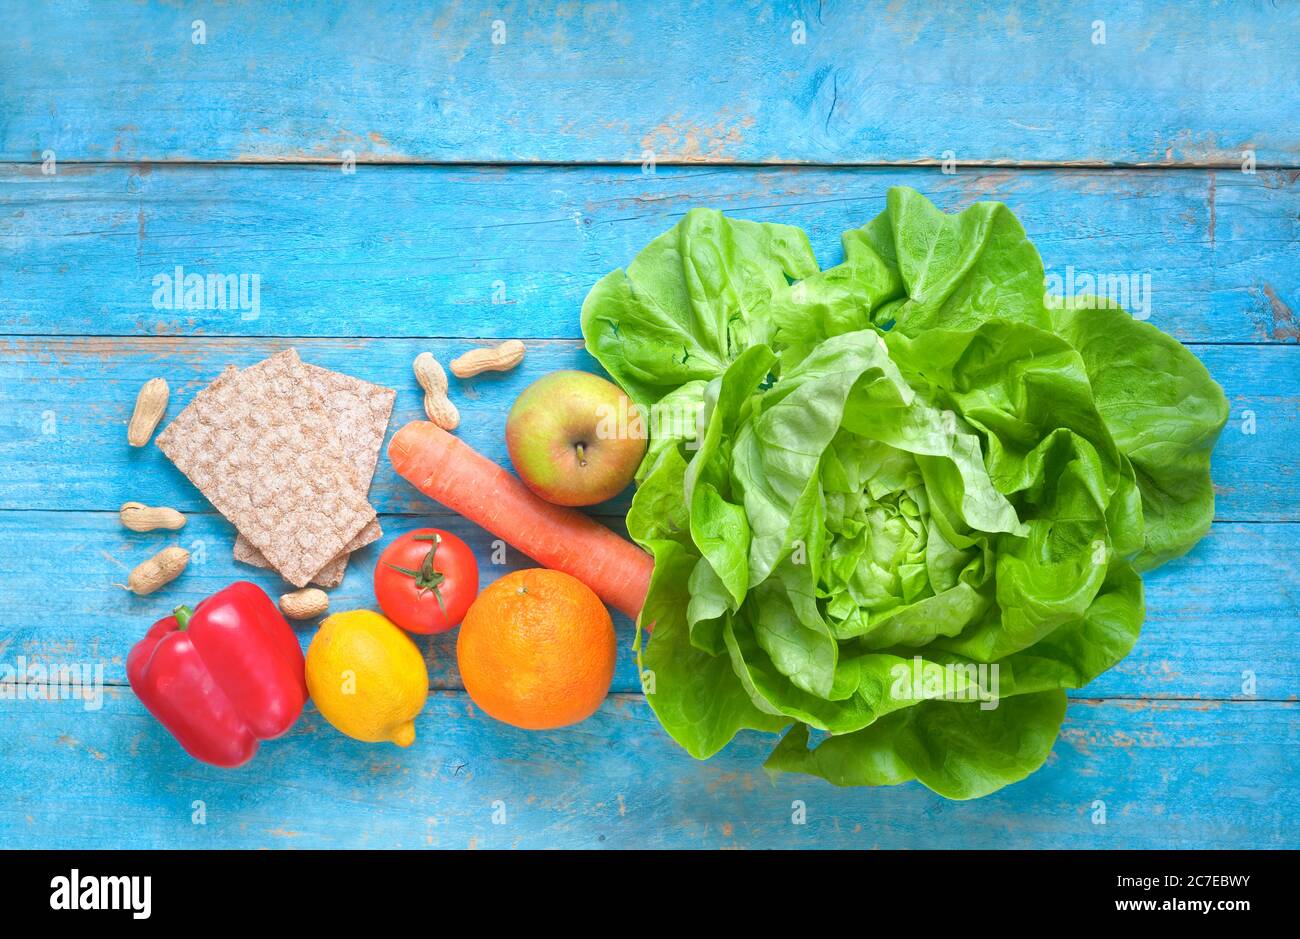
(575, 438)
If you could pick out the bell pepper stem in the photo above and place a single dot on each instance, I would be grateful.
(183, 614)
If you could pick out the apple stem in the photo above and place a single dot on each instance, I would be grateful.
(582, 454)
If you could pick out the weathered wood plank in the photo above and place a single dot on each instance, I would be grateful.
(393, 81)
(1168, 774)
(63, 419)
(421, 251)
(95, 622)
(1228, 608)
(478, 252)
(64, 405)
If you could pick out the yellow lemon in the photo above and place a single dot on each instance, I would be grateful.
(367, 677)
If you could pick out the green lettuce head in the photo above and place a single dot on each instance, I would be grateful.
(919, 496)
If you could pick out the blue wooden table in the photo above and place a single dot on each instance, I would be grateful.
(409, 177)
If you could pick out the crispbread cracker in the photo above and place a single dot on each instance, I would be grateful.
(329, 576)
(260, 445)
(359, 411)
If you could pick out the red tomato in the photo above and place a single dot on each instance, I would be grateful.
(425, 580)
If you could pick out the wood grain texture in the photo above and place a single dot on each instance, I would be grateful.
(368, 269)
(1168, 774)
(491, 252)
(389, 80)
(66, 403)
(1228, 608)
(108, 621)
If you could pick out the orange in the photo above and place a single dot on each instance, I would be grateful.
(537, 650)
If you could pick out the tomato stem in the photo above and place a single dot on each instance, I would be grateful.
(427, 577)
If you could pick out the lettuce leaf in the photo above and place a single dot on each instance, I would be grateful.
(913, 509)
(694, 299)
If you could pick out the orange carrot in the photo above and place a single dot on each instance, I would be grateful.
(448, 470)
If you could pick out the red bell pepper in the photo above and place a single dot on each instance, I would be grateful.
(222, 677)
